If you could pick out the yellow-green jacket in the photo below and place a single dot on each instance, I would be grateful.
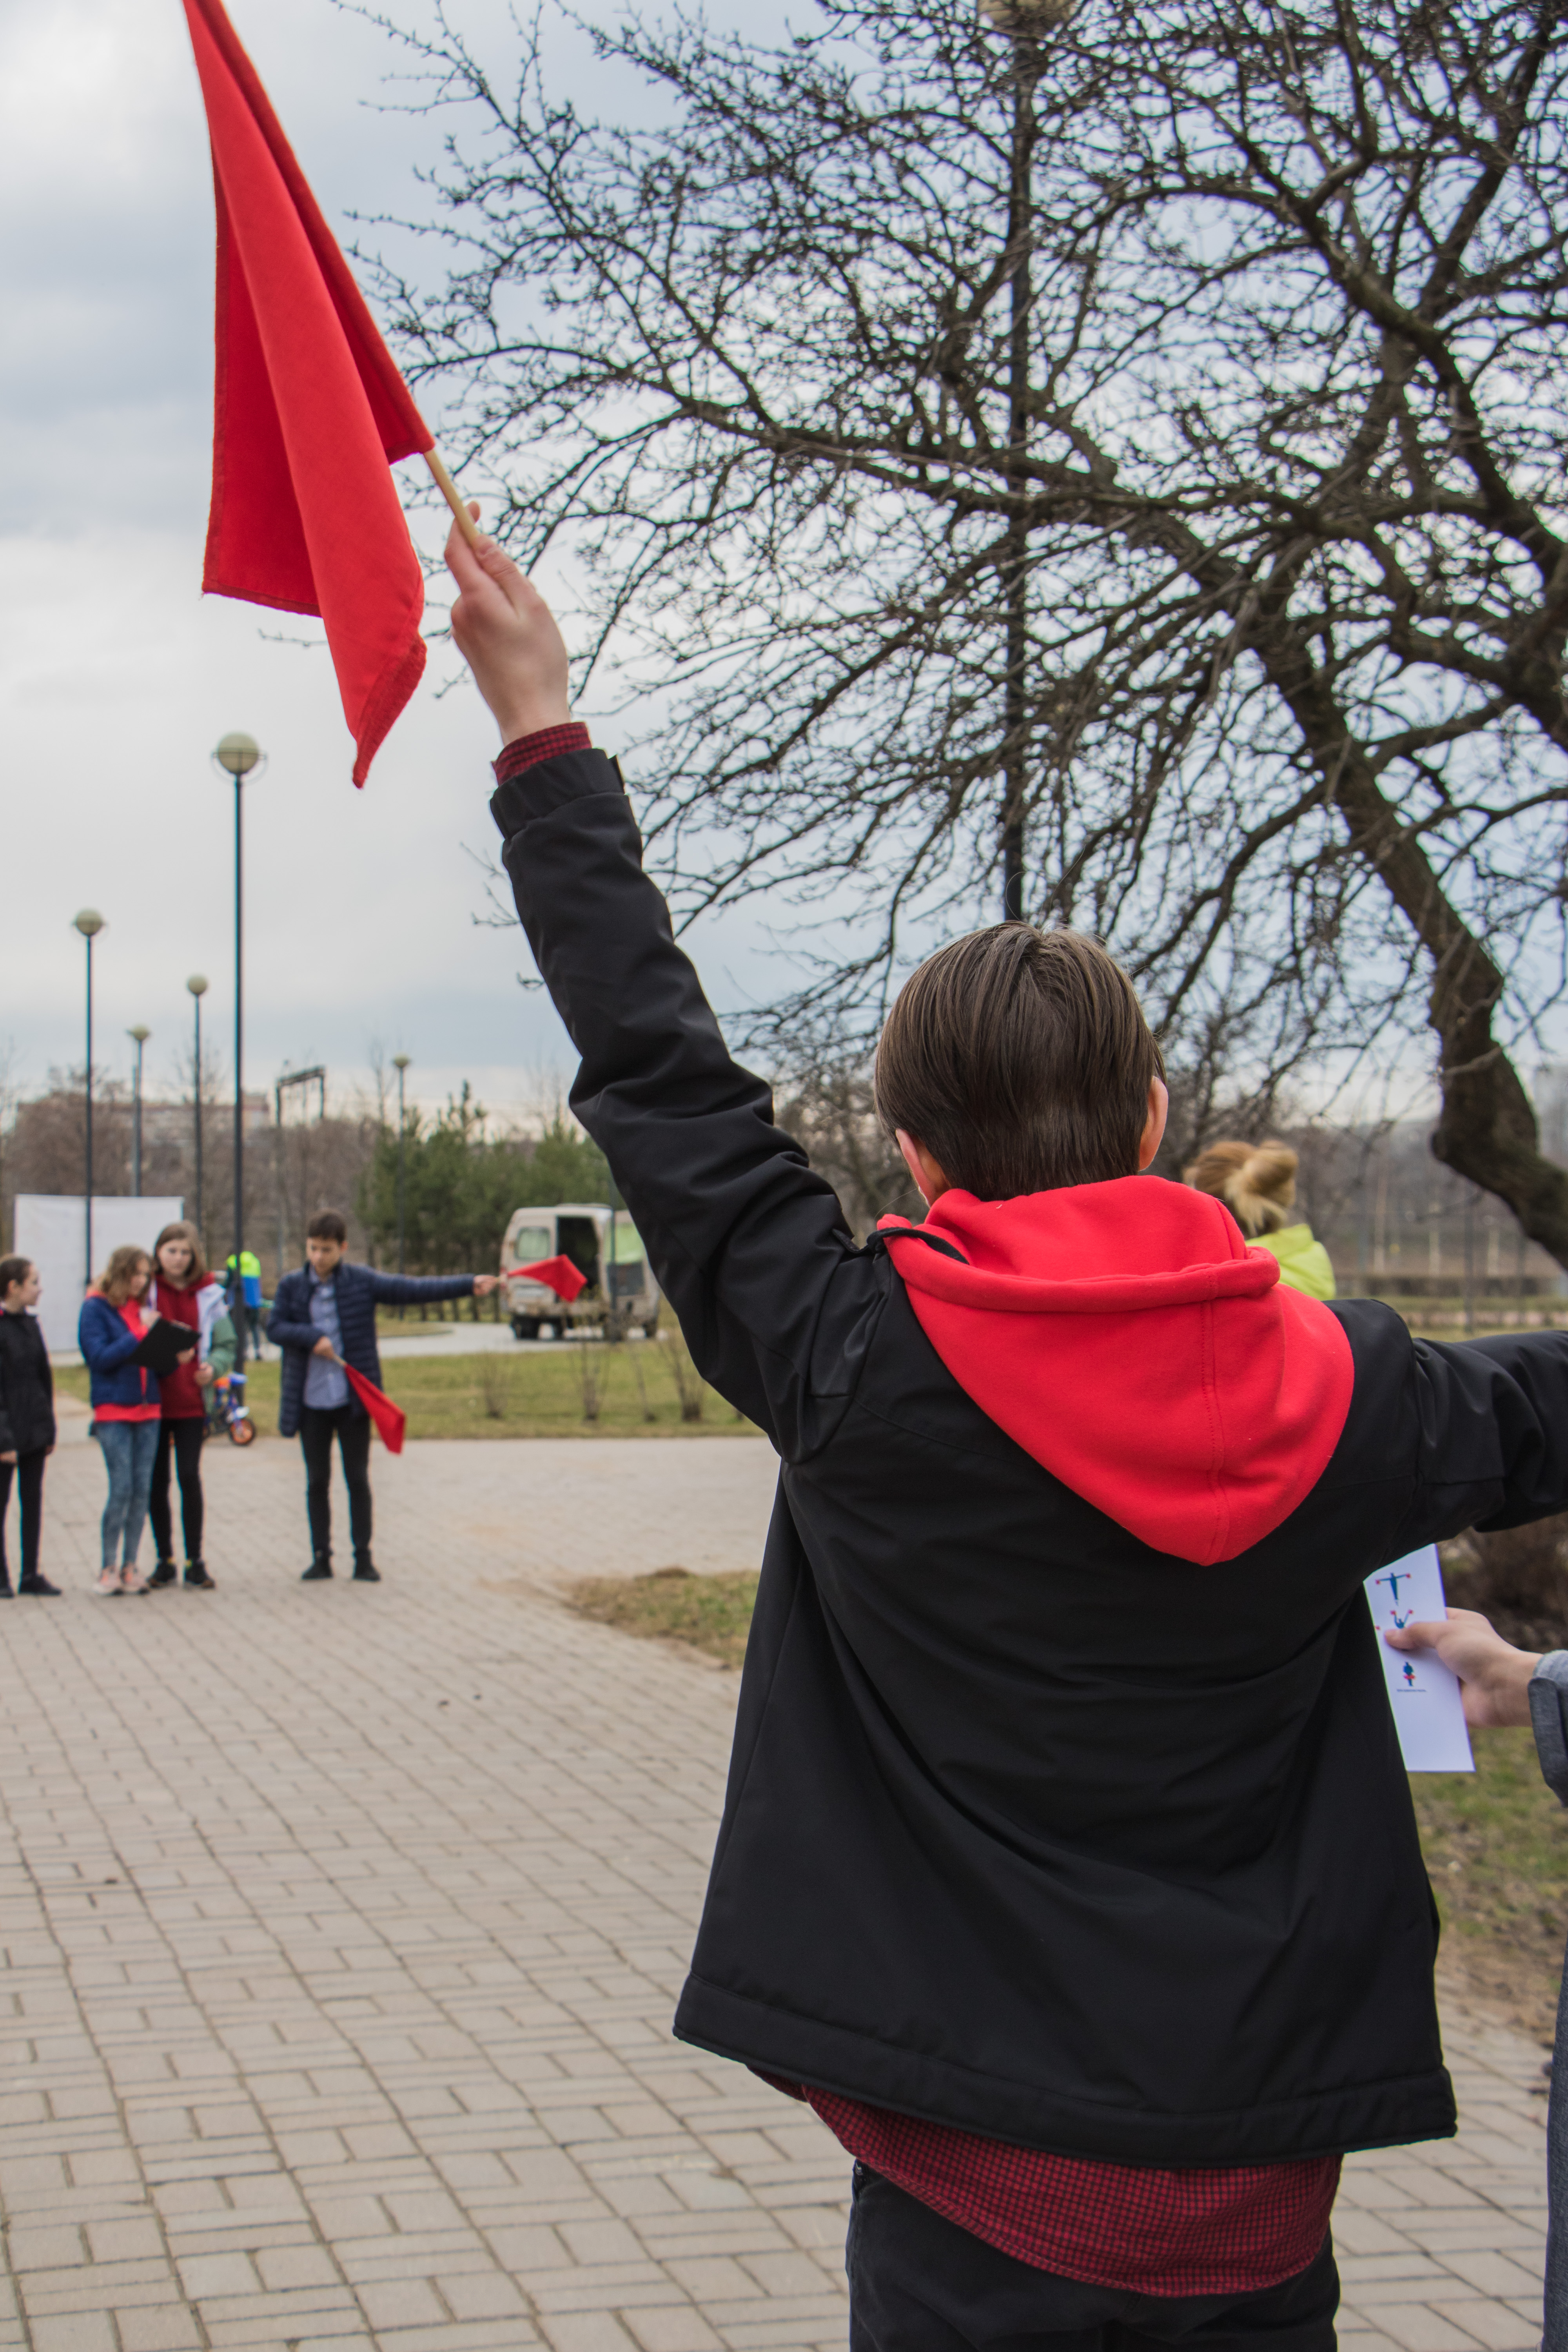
(1304, 1263)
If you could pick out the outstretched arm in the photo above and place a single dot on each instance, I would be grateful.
(408, 1290)
(750, 1246)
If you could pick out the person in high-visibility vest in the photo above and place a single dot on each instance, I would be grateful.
(246, 1293)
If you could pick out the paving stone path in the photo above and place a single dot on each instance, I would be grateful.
(342, 1929)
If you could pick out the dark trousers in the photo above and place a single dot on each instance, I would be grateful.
(29, 1470)
(352, 1430)
(919, 2283)
(180, 1441)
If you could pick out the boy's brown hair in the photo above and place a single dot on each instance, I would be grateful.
(1021, 1060)
(327, 1225)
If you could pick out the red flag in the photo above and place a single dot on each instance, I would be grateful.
(558, 1273)
(309, 410)
(389, 1418)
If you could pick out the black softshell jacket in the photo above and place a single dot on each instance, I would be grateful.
(1030, 1830)
(27, 1386)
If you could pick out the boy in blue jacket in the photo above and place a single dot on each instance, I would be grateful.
(322, 1318)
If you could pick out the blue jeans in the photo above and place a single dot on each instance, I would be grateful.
(129, 1448)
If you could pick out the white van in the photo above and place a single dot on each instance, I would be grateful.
(593, 1237)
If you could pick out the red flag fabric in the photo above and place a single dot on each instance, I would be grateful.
(559, 1273)
(309, 410)
(389, 1418)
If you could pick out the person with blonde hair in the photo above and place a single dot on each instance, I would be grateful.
(1257, 1182)
(126, 1412)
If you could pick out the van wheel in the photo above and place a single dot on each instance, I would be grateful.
(524, 1328)
(650, 1330)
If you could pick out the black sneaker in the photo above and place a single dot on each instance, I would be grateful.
(364, 1574)
(40, 1586)
(317, 1571)
(165, 1573)
(198, 1577)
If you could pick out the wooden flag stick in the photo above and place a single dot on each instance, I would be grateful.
(453, 496)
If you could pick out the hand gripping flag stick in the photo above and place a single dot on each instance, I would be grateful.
(310, 411)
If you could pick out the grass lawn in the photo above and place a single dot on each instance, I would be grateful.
(521, 1396)
(707, 1612)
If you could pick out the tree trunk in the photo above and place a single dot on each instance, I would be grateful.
(1486, 1127)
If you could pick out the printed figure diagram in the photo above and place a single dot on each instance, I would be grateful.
(1393, 1580)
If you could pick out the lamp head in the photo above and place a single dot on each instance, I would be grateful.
(197, 983)
(401, 1061)
(140, 1033)
(90, 923)
(239, 755)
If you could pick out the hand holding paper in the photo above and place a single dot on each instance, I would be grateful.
(1494, 1677)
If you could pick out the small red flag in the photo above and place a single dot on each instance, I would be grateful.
(309, 410)
(389, 1418)
(558, 1274)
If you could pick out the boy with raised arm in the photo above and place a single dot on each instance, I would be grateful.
(1068, 1866)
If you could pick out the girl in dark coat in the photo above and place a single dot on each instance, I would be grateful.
(27, 1418)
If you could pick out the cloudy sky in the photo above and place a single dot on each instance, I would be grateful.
(117, 677)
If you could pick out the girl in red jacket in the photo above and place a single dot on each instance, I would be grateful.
(184, 1292)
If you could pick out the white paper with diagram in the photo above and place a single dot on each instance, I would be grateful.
(1428, 1708)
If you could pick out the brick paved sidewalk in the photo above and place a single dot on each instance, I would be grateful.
(342, 1928)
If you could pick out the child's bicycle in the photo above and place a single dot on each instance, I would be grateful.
(226, 1408)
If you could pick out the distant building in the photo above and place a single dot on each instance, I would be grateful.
(171, 1123)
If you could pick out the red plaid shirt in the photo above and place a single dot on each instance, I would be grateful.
(1228, 2229)
(529, 750)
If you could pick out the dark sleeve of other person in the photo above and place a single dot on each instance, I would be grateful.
(748, 1243)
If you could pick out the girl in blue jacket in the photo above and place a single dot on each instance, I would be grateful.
(125, 1408)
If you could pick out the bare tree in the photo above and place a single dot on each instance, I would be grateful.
(1123, 468)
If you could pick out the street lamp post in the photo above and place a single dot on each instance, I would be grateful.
(1026, 23)
(400, 1064)
(197, 985)
(90, 923)
(198, 989)
(140, 1035)
(237, 755)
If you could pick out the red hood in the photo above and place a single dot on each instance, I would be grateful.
(1126, 1336)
